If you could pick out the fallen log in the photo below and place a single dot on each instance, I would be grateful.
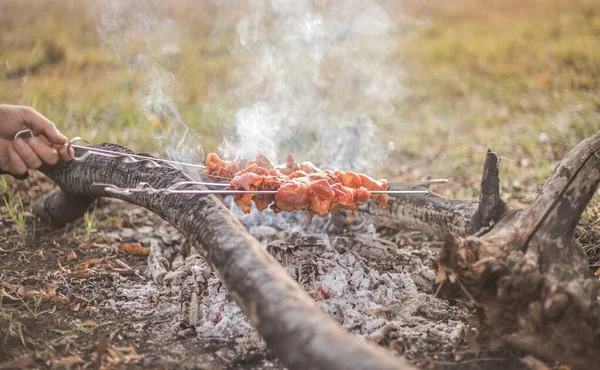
(528, 274)
(437, 216)
(292, 325)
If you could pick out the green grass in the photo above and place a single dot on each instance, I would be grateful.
(11, 327)
(504, 75)
(16, 213)
(90, 223)
(519, 77)
(4, 186)
(33, 306)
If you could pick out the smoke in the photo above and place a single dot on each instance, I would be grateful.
(147, 41)
(314, 77)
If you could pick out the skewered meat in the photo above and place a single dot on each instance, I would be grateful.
(291, 166)
(298, 186)
(318, 196)
(318, 193)
(351, 180)
(217, 168)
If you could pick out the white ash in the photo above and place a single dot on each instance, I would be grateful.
(364, 298)
(364, 281)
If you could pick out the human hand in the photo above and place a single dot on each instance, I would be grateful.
(47, 145)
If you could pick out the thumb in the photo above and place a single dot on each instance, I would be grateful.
(41, 125)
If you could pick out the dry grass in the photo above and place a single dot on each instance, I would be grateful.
(520, 77)
(517, 77)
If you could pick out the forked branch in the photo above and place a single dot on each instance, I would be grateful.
(529, 272)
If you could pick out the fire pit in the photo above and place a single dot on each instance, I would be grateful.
(361, 280)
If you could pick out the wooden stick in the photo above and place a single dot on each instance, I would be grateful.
(294, 328)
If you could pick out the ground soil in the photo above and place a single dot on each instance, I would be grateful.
(72, 293)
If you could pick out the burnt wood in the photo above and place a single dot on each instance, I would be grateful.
(529, 273)
(299, 333)
(437, 216)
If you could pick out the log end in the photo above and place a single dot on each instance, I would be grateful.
(57, 208)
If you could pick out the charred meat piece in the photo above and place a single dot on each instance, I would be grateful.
(219, 169)
(297, 186)
(293, 195)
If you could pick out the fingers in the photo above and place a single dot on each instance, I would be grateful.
(17, 156)
(16, 165)
(41, 125)
(27, 154)
(34, 151)
(66, 153)
(42, 150)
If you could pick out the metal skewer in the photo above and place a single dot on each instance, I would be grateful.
(418, 183)
(151, 162)
(113, 153)
(222, 184)
(185, 164)
(148, 189)
(398, 192)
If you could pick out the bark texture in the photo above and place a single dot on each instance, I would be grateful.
(528, 274)
(437, 216)
(57, 207)
(294, 328)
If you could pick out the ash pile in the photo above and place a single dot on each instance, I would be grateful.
(378, 284)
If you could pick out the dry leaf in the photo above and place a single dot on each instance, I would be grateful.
(59, 299)
(18, 363)
(597, 273)
(133, 249)
(533, 363)
(22, 291)
(60, 267)
(86, 246)
(71, 256)
(94, 261)
(68, 361)
(563, 367)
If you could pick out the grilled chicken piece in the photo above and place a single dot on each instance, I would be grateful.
(299, 186)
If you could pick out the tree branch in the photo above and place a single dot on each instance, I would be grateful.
(292, 325)
(437, 216)
(529, 272)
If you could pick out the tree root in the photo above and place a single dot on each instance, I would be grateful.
(528, 274)
(290, 322)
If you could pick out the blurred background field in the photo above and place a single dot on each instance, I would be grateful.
(441, 81)
(519, 77)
